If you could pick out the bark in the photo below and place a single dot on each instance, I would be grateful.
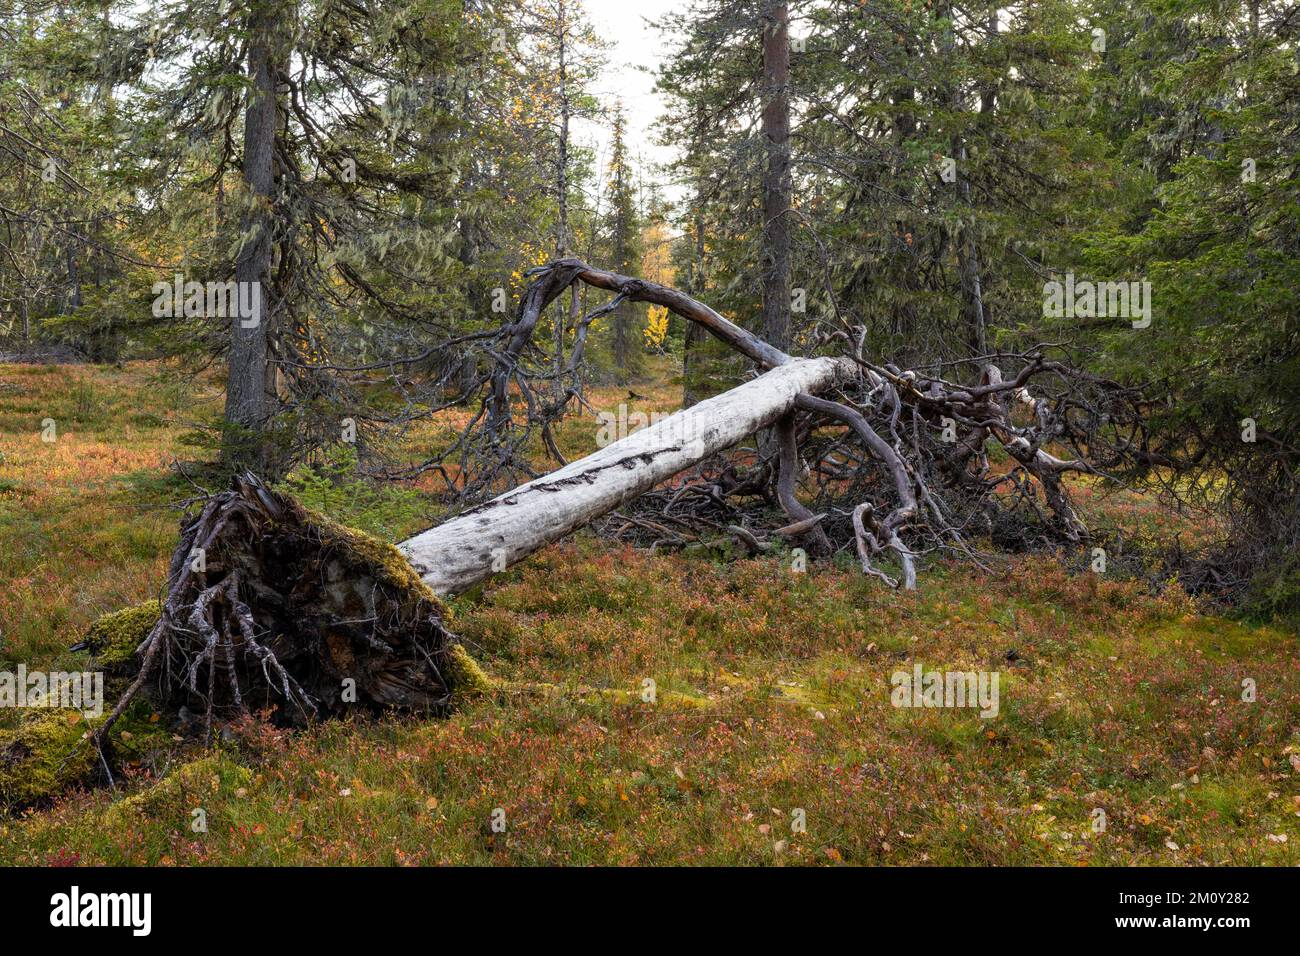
(286, 611)
(695, 277)
(461, 552)
(559, 275)
(74, 279)
(902, 314)
(691, 359)
(622, 318)
(562, 182)
(972, 286)
(788, 477)
(776, 179)
(971, 291)
(292, 611)
(746, 343)
(474, 288)
(623, 342)
(247, 388)
(694, 332)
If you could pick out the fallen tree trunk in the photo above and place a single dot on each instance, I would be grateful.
(459, 553)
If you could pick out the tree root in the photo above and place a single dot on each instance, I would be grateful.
(271, 607)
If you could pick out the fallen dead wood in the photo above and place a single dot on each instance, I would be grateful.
(461, 552)
(270, 606)
(911, 474)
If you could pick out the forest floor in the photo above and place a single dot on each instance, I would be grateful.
(773, 692)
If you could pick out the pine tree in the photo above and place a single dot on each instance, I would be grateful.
(1203, 99)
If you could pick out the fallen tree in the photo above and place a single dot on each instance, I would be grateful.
(461, 552)
(268, 605)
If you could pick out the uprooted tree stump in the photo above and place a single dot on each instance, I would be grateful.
(271, 607)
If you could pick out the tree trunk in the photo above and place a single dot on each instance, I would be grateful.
(296, 606)
(562, 188)
(972, 285)
(247, 395)
(695, 334)
(776, 179)
(622, 318)
(461, 552)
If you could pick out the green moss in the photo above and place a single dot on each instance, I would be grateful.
(139, 730)
(468, 679)
(1217, 638)
(42, 756)
(670, 700)
(197, 784)
(381, 559)
(114, 637)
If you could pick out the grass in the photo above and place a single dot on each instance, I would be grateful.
(772, 694)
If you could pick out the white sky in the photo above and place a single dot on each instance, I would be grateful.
(635, 44)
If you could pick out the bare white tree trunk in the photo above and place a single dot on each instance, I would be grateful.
(461, 552)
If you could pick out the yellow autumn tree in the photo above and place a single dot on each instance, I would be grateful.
(656, 329)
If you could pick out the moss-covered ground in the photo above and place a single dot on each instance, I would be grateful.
(1125, 733)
